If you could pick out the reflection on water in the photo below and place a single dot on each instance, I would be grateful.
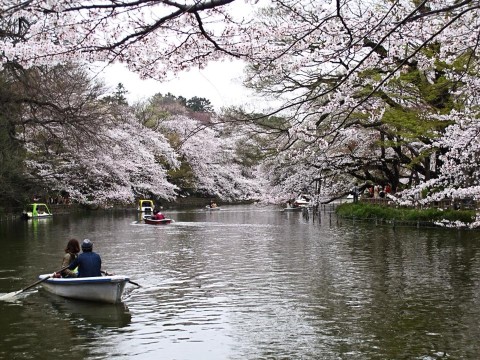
(94, 314)
(37, 227)
(248, 282)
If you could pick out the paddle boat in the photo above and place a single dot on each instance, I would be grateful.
(149, 220)
(300, 203)
(146, 206)
(106, 289)
(37, 211)
(303, 201)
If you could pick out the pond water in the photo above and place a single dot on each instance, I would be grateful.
(246, 282)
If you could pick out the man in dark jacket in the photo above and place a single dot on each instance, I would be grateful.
(89, 263)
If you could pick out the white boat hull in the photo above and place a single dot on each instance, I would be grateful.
(107, 289)
(29, 215)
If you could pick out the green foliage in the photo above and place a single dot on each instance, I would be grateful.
(199, 104)
(248, 153)
(270, 122)
(373, 74)
(13, 182)
(369, 211)
(183, 177)
(118, 97)
(164, 101)
(170, 98)
(160, 107)
(12, 155)
(409, 98)
(410, 126)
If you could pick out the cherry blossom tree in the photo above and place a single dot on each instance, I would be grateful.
(342, 70)
(340, 67)
(117, 171)
(152, 37)
(210, 162)
(459, 174)
(79, 143)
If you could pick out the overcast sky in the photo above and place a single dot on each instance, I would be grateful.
(220, 82)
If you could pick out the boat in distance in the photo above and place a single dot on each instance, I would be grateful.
(149, 220)
(37, 211)
(208, 208)
(300, 203)
(145, 206)
(105, 289)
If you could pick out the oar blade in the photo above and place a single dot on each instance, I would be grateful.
(10, 296)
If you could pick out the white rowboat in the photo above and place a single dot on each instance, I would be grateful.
(107, 289)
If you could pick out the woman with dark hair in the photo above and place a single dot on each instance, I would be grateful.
(88, 262)
(71, 253)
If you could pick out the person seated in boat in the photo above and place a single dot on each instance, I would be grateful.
(88, 262)
(71, 253)
(213, 205)
(157, 215)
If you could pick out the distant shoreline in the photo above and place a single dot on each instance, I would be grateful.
(186, 202)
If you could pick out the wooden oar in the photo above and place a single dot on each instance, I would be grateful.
(134, 283)
(130, 281)
(15, 293)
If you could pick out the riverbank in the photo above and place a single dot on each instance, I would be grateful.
(12, 213)
(369, 212)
